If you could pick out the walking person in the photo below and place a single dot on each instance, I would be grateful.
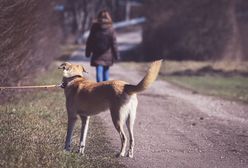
(101, 45)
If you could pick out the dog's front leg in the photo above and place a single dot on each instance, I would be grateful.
(84, 131)
(70, 126)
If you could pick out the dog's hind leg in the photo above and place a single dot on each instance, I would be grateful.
(120, 129)
(84, 131)
(118, 123)
(130, 123)
(71, 123)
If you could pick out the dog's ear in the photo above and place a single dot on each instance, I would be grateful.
(65, 65)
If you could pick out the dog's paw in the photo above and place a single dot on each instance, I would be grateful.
(130, 154)
(81, 151)
(67, 149)
(120, 155)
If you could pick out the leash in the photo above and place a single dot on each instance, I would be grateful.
(29, 87)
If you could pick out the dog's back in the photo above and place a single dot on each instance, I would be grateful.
(92, 98)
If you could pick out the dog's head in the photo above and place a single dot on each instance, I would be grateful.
(71, 70)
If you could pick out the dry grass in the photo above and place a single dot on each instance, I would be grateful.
(33, 129)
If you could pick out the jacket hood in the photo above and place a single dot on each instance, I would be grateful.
(104, 23)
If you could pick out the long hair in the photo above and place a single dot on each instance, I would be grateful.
(104, 17)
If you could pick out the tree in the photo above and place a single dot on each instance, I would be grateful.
(198, 30)
(29, 38)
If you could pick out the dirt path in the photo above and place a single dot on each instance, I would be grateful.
(176, 128)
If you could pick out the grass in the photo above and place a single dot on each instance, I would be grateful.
(170, 67)
(223, 79)
(32, 132)
(232, 88)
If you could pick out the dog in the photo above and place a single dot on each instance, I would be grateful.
(85, 98)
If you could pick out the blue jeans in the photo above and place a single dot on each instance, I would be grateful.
(102, 73)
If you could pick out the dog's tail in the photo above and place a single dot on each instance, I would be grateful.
(149, 78)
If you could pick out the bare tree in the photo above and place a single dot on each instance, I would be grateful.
(81, 12)
(29, 38)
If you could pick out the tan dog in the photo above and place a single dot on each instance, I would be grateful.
(86, 98)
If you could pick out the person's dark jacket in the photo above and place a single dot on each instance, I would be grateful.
(101, 45)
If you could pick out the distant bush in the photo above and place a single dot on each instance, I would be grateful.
(192, 29)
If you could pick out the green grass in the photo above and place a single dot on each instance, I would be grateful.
(222, 84)
(169, 67)
(33, 128)
(233, 88)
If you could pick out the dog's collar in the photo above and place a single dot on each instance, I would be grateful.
(73, 77)
(67, 80)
